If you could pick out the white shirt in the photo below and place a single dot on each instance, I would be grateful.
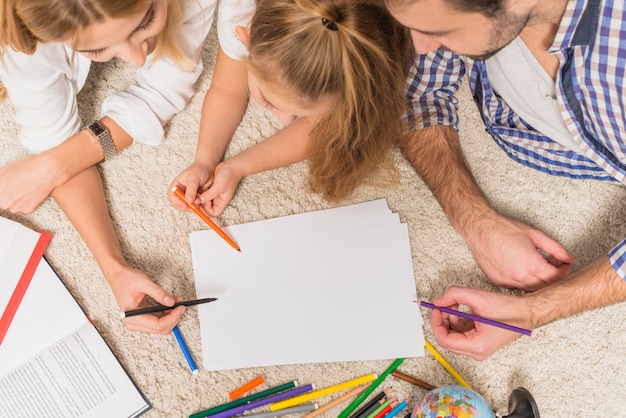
(233, 13)
(43, 86)
(523, 83)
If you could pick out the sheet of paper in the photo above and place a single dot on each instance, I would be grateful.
(306, 289)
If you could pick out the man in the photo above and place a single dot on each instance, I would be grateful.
(547, 77)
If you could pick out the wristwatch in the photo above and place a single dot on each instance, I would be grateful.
(102, 135)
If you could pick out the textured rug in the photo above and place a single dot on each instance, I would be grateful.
(573, 367)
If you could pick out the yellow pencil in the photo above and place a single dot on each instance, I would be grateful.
(322, 392)
(446, 365)
(341, 399)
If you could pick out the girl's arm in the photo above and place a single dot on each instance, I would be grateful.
(224, 106)
(286, 147)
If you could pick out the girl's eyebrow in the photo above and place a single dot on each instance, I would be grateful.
(146, 18)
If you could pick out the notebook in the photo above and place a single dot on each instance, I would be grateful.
(325, 286)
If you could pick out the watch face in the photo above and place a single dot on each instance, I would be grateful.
(97, 128)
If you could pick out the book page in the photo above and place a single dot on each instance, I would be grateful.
(76, 377)
(54, 363)
(33, 328)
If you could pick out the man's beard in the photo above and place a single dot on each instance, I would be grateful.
(503, 22)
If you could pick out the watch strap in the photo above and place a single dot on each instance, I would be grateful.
(104, 138)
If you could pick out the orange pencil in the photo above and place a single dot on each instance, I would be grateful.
(205, 218)
(356, 391)
(246, 388)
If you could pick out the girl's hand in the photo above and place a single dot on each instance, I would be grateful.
(195, 179)
(218, 196)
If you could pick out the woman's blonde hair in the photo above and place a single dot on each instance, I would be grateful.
(352, 51)
(25, 23)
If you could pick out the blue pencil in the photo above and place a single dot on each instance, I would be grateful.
(185, 350)
(395, 411)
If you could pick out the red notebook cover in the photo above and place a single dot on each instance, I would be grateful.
(22, 285)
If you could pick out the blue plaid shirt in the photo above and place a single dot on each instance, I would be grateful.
(591, 94)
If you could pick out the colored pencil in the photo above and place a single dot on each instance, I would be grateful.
(337, 401)
(243, 401)
(368, 409)
(385, 411)
(162, 308)
(372, 403)
(446, 365)
(307, 407)
(476, 318)
(185, 350)
(179, 193)
(246, 388)
(381, 408)
(355, 403)
(412, 380)
(398, 408)
(261, 402)
(322, 392)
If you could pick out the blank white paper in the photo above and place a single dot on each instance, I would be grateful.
(327, 286)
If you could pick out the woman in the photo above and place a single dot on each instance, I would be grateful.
(47, 47)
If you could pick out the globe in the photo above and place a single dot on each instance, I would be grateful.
(452, 402)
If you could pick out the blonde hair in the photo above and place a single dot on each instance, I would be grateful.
(25, 23)
(352, 51)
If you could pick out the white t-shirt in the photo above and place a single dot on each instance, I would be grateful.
(43, 86)
(233, 13)
(516, 75)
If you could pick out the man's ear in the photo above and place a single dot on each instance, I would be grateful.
(243, 34)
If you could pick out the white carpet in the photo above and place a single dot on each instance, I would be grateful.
(573, 367)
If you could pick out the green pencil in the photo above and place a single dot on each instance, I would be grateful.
(243, 401)
(379, 409)
(355, 403)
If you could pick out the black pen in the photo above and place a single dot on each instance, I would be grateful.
(161, 308)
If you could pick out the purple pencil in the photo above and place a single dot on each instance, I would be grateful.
(476, 318)
(271, 399)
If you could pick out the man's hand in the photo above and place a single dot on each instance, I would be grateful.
(475, 339)
(511, 253)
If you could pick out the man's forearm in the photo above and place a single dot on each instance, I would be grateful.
(436, 154)
(595, 286)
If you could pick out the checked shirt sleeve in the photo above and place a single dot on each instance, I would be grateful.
(432, 83)
(617, 257)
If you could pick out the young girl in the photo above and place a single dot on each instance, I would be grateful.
(333, 71)
(47, 47)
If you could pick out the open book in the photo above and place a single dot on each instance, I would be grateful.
(54, 363)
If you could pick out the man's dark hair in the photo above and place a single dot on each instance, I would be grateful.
(487, 7)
